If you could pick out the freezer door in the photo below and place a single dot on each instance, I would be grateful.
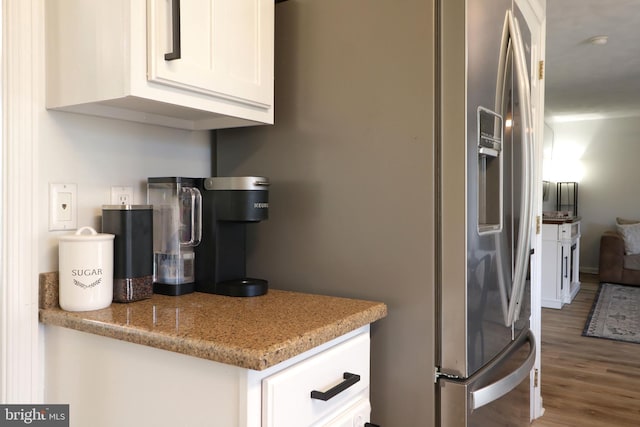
(497, 395)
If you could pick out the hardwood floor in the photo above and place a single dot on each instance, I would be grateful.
(586, 382)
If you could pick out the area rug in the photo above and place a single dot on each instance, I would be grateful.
(615, 314)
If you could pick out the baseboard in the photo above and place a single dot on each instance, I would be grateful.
(589, 270)
(551, 303)
(589, 277)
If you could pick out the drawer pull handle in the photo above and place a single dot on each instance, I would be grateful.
(349, 380)
(175, 32)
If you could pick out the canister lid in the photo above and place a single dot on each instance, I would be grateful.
(93, 236)
(126, 207)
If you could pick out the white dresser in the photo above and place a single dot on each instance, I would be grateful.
(560, 261)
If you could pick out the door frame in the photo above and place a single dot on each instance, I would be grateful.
(534, 12)
(22, 62)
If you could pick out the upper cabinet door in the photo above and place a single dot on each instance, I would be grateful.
(109, 58)
(225, 47)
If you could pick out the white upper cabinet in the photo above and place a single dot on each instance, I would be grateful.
(192, 64)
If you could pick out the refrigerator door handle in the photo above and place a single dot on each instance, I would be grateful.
(496, 390)
(524, 91)
(512, 40)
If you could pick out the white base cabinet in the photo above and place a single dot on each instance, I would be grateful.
(108, 58)
(560, 263)
(108, 382)
(286, 394)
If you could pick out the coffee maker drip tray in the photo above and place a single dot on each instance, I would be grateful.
(246, 287)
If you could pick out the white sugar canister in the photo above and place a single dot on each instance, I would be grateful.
(86, 270)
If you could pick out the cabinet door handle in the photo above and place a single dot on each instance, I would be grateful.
(349, 380)
(175, 32)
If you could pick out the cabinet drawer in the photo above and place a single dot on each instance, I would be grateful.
(286, 396)
(560, 231)
(355, 415)
(569, 231)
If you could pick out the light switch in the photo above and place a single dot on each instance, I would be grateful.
(62, 207)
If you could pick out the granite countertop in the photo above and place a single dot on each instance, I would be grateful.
(253, 333)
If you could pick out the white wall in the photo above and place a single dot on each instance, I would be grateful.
(606, 153)
(97, 153)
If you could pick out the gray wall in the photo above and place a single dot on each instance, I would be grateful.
(351, 164)
(605, 154)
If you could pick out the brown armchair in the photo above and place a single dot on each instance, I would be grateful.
(615, 266)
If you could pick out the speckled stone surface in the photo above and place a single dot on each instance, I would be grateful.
(253, 333)
(48, 290)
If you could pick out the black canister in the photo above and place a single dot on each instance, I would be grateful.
(132, 226)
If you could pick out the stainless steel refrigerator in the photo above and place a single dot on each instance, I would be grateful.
(485, 349)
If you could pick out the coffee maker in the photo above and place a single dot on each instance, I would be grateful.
(229, 204)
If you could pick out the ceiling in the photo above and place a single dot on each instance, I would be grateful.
(592, 81)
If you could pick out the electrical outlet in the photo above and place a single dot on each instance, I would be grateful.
(121, 195)
(63, 207)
